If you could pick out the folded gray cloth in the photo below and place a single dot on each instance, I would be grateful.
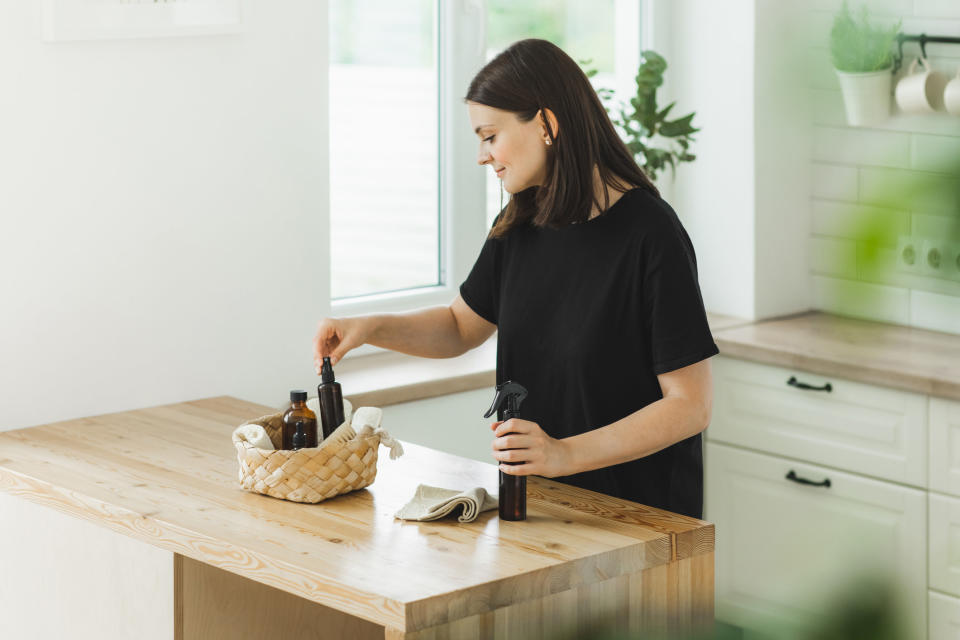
(433, 503)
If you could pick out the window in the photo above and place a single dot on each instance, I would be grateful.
(384, 214)
(409, 206)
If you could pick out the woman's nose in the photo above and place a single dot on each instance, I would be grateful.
(483, 157)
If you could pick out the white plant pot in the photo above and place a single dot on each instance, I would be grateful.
(866, 96)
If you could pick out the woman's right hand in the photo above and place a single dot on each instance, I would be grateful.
(336, 336)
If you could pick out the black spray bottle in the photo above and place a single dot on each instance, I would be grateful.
(513, 489)
(330, 398)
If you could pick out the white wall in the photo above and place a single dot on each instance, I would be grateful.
(745, 200)
(712, 74)
(162, 203)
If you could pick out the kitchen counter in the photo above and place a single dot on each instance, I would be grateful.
(873, 352)
(894, 356)
(167, 477)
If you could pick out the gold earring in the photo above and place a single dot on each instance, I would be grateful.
(548, 141)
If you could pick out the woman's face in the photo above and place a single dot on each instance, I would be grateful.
(515, 150)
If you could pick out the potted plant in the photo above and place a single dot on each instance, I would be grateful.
(862, 57)
(646, 126)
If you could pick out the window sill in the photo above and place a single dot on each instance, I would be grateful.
(383, 377)
(387, 377)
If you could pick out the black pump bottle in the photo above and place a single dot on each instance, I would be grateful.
(331, 400)
(513, 489)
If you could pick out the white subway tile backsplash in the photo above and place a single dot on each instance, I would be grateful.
(917, 191)
(865, 147)
(935, 311)
(879, 7)
(835, 182)
(873, 185)
(861, 299)
(935, 153)
(946, 227)
(936, 8)
(820, 73)
(850, 220)
(833, 257)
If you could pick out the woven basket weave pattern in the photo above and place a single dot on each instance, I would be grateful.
(342, 463)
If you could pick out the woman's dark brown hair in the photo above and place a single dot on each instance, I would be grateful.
(534, 74)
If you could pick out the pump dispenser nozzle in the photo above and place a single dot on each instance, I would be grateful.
(326, 372)
(513, 489)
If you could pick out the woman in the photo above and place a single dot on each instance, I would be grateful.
(589, 279)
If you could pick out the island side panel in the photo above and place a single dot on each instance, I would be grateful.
(673, 598)
(215, 604)
(64, 577)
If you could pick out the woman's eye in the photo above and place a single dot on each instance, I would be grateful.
(490, 139)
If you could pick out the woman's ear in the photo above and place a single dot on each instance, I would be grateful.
(546, 116)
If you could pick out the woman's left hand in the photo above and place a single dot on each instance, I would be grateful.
(528, 443)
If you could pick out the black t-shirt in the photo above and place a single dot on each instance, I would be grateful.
(587, 316)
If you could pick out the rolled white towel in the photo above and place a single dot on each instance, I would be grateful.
(314, 405)
(254, 435)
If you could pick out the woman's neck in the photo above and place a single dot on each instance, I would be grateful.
(599, 189)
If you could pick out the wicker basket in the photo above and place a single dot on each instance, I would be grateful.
(344, 462)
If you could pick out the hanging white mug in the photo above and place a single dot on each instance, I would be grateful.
(951, 96)
(921, 92)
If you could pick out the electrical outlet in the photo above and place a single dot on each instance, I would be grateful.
(933, 258)
(909, 255)
(951, 262)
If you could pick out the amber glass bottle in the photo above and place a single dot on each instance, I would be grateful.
(298, 412)
(330, 396)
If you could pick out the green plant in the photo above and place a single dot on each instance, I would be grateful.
(644, 122)
(858, 47)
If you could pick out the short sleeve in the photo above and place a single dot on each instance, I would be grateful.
(675, 318)
(481, 289)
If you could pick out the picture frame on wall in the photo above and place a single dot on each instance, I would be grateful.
(65, 20)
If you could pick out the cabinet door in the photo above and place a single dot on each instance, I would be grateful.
(944, 555)
(945, 446)
(785, 551)
(944, 617)
(856, 427)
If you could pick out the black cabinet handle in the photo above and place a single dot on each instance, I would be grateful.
(793, 476)
(793, 382)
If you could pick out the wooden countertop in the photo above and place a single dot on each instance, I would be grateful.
(167, 475)
(906, 358)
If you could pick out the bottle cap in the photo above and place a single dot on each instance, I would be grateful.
(298, 395)
(326, 373)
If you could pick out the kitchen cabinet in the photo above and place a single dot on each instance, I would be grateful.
(144, 506)
(945, 446)
(812, 485)
(857, 427)
(945, 544)
(785, 549)
(944, 616)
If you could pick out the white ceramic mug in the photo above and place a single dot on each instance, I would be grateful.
(951, 96)
(921, 92)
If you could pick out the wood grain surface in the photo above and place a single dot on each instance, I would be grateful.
(168, 475)
(873, 352)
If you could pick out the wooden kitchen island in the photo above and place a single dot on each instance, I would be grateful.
(134, 525)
